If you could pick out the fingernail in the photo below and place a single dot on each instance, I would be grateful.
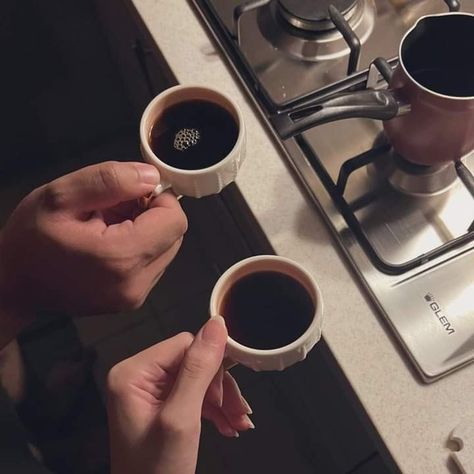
(216, 397)
(231, 433)
(246, 406)
(218, 319)
(248, 422)
(212, 330)
(148, 173)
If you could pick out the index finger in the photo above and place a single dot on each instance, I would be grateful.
(102, 185)
(154, 231)
(147, 367)
(162, 224)
(167, 354)
(166, 199)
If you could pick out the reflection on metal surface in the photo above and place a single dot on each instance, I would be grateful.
(318, 46)
(275, 54)
(415, 180)
(405, 230)
(401, 226)
(410, 11)
(313, 16)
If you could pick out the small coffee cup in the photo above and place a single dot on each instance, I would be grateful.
(273, 312)
(193, 182)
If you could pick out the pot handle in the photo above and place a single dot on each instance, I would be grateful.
(370, 103)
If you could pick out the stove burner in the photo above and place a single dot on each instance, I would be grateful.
(407, 230)
(416, 180)
(313, 15)
(313, 44)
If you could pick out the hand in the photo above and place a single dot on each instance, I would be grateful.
(156, 400)
(81, 244)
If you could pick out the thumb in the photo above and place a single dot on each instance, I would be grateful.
(104, 185)
(200, 364)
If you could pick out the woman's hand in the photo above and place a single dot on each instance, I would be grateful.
(82, 244)
(156, 400)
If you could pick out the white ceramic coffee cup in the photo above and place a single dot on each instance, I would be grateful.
(281, 357)
(200, 182)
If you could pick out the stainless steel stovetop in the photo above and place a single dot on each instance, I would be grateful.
(407, 230)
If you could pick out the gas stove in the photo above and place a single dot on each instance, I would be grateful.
(408, 230)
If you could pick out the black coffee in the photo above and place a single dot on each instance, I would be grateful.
(193, 135)
(267, 310)
(438, 54)
(453, 82)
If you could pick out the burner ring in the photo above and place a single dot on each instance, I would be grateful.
(313, 45)
(314, 16)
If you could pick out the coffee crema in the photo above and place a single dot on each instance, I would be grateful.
(267, 310)
(193, 135)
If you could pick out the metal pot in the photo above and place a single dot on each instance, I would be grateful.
(428, 109)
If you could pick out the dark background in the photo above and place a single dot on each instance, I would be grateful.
(75, 77)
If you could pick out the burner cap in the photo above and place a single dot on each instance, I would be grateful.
(313, 15)
(413, 179)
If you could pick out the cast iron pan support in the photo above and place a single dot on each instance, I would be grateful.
(244, 8)
(454, 5)
(468, 180)
(349, 36)
(336, 16)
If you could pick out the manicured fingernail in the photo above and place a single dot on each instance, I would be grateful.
(246, 405)
(216, 398)
(248, 422)
(231, 433)
(148, 173)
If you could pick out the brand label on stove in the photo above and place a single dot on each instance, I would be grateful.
(438, 312)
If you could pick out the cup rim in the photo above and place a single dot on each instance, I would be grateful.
(316, 322)
(402, 64)
(172, 90)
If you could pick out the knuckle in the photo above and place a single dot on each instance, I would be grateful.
(118, 262)
(173, 423)
(53, 196)
(120, 270)
(195, 364)
(117, 378)
(108, 175)
(130, 298)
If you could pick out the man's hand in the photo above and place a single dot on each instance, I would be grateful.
(81, 243)
(156, 400)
